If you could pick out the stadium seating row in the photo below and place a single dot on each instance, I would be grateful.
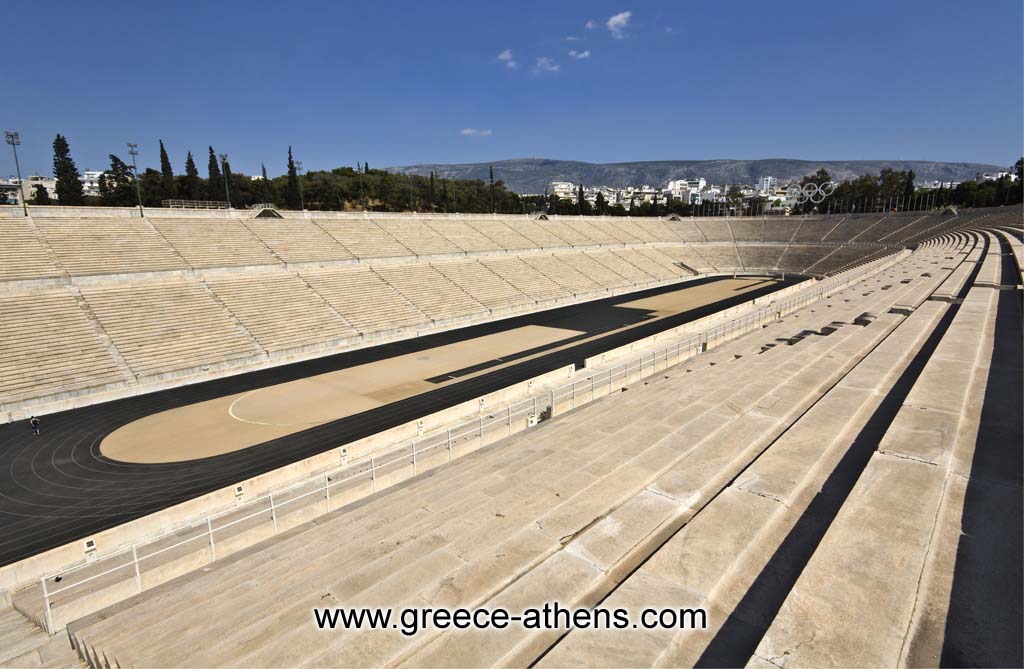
(276, 289)
(50, 246)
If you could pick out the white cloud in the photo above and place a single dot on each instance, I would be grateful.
(506, 57)
(473, 132)
(590, 25)
(668, 29)
(573, 38)
(618, 23)
(579, 55)
(545, 64)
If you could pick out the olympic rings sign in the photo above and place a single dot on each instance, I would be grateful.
(812, 192)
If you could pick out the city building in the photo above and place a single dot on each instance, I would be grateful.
(91, 182)
(563, 190)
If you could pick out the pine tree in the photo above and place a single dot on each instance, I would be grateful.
(168, 191)
(190, 186)
(214, 185)
(118, 184)
(444, 195)
(492, 188)
(432, 192)
(69, 182)
(291, 191)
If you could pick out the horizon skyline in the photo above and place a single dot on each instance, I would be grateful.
(597, 82)
(201, 164)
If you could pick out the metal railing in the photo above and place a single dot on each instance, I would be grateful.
(439, 447)
(196, 204)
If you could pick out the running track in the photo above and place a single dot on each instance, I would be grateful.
(58, 488)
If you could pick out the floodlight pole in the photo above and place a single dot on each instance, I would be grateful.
(133, 149)
(302, 198)
(14, 139)
(224, 172)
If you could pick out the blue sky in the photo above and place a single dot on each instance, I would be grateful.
(396, 83)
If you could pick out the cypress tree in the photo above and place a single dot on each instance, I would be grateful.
(166, 175)
(908, 188)
(214, 185)
(227, 179)
(432, 192)
(190, 185)
(291, 191)
(492, 187)
(69, 182)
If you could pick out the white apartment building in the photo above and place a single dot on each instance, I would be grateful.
(767, 184)
(91, 182)
(564, 190)
(687, 190)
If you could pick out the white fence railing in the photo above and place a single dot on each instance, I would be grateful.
(425, 452)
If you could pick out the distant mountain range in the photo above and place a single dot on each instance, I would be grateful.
(532, 175)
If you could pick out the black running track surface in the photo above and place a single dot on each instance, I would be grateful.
(58, 487)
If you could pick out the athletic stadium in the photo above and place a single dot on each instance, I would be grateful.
(807, 428)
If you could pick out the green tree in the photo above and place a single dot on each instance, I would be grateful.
(433, 204)
(168, 190)
(492, 187)
(117, 187)
(191, 185)
(1018, 185)
(41, 195)
(265, 188)
(69, 182)
(152, 187)
(214, 180)
(820, 177)
(227, 181)
(291, 191)
(908, 187)
(601, 204)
